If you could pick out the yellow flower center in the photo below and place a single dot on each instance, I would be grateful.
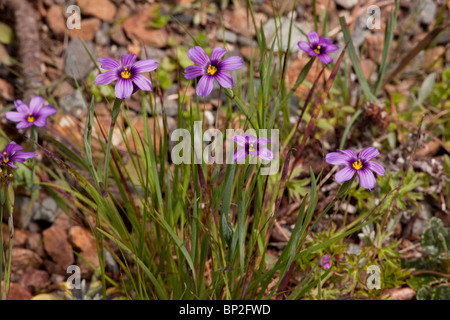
(357, 165)
(5, 160)
(212, 70)
(126, 74)
(317, 50)
(30, 117)
(251, 148)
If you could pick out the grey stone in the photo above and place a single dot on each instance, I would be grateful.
(73, 104)
(102, 36)
(229, 36)
(346, 4)
(429, 9)
(78, 63)
(270, 31)
(153, 53)
(244, 41)
(46, 211)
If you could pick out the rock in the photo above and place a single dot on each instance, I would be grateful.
(346, 4)
(19, 237)
(63, 89)
(102, 36)
(90, 256)
(46, 210)
(73, 104)
(56, 20)
(373, 45)
(229, 36)
(270, 31)
(429, 9)
(369, 69)
(297, 66)
(432, 58)
(422, 221)
(17, 292)
(78, 64)
(81, 239)
(102, 9)
(63, 221)
(138, 29)
(57, 246)
(6, 90)
(89, 28)
(34, 243)
(34, 280)
(24, 258)
(118, 36)
(236, 21)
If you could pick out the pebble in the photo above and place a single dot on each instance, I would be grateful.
(46, 210)
(346, 4)
(270, 31)
(429, 10)
(228, 36)
(57, 246)
(102, 36)
(102, 9)
(78, 64)
(73, 104)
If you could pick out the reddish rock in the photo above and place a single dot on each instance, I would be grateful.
(138, 29)
(88, 29)
(374, 45)
(34, 243)
(19, 237)
(22, 258)
(236, 21)
(57, 246)
(17, 292)
(6, 90)
(295, 69)
(34, 280)
(81, 239)
(118, 36)
(63, 221)
(102, 9)
(56, 20)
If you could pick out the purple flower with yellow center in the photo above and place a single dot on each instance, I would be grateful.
(318, 47)
(11, 154)
(251, 145)
(35, 115)
(360, 164)
(127, 73)
(211, 69)
(325, 262)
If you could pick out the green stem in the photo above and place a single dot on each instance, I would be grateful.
(115, 114)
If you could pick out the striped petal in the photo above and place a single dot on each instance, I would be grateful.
(375, 167)
(330, 48)
(142, 82)
(366, 179)
(338, 159)
(198, 56)
(240, 154)
(344, 174)
(307, 48)
(106, 77)
(262, 141)
(147, 65)
(325, 58)
(368, 153)
(217, 54)
(21, 106)
(35, 104)
(127, 60)
(124, 88)
(239, 139)
(12, 147)
(230, 64)
(224, 79)
(205, 85)
(109, 63)
(192, 72)
(265, 154)
(46, 111)
(313, 38)
(16, 116)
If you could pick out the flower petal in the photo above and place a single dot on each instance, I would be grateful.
(230, 64)
(325, 40)
(109, 63)
(307, 48)
(239, 139)
(22, 156)
(127, 60)
(16, 116)
(313, 38)
(375, 167)
(250, 139)
(205, 85)
(330, 48)
(124, 88)
(344, 174)
(198, 56)
(147, 65)
(325, 58)
(142, 82)
(24, 125)
(240, 154)
(40, 122)
(192, 72)
(11, 164)
(368, 153)
(35, 104)
(46, 111)
(265, 154)
(366, 179)
(217, 54)
(106, 77)
(224, 79)
(350, 153)
(262, 141)
(12, 147)
(21, 106)
(338, 159)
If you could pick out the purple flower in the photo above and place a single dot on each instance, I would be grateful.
(253, 146)
(36, 114)
(11, 154)
(325, 262)
(318, 47)
(211, 69)
(127, 73)
(360, 164)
